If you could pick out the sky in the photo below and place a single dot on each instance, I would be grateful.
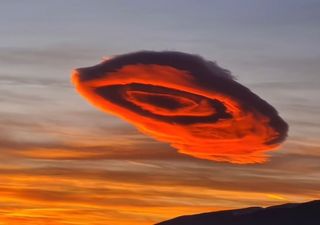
(64, 162)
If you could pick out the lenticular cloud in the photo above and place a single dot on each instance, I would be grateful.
(187, 101)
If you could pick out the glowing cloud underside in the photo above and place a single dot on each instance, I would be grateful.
(186, 101)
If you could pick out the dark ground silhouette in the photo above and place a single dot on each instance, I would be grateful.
(288, 214)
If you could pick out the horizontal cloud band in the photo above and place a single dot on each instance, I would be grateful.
(187, 101)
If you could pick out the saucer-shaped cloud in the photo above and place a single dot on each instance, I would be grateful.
(184, 100)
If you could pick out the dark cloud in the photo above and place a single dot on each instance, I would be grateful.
(187, 101)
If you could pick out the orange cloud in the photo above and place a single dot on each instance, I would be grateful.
(186, 101)
(91, 196)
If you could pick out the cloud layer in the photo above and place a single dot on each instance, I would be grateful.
(187, 101)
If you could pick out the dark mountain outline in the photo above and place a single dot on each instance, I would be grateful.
(307, 213)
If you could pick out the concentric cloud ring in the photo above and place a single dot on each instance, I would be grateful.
(184, 100)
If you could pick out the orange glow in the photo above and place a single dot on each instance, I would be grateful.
(82, 197)
(161, 101)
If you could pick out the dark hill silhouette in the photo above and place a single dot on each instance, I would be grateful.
(288, 214)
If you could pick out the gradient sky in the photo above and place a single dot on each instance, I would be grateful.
(64, 162)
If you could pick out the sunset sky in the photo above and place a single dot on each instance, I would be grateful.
(63, 162)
